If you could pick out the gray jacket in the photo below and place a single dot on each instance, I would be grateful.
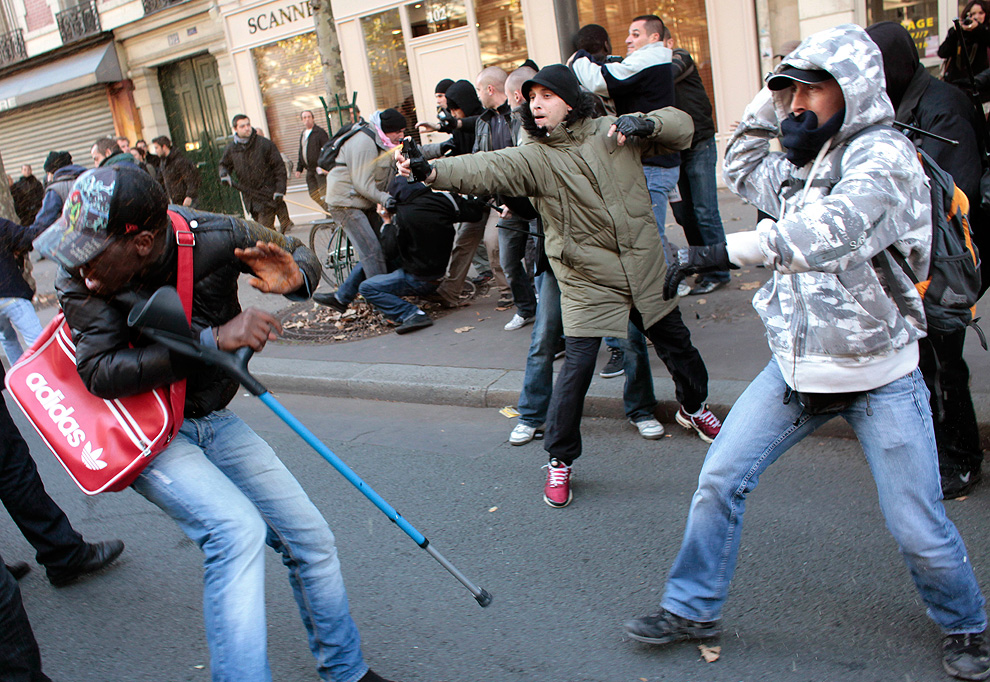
(832, 324)
(362, 174)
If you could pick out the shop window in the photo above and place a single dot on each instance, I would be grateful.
(291, 80)
(686, 19)
(501, 33)
(386, 49)
(433, 16)
(919, 18)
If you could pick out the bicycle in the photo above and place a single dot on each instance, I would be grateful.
(333, 249)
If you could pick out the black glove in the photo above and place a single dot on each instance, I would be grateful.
(448, 122)
(418, 165)
(390, 204)
(634, 126)
(691, 261)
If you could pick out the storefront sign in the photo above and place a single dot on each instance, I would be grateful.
(924, 31)
(279, 16)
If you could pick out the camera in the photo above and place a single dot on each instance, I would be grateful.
(968, 21)
(448, 122)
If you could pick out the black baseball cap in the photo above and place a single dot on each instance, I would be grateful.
(790, 74)
(103, 204)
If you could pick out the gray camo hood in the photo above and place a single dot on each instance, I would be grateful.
(833, 323)
(859, 72)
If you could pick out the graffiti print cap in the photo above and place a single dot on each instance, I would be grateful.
(103, 204)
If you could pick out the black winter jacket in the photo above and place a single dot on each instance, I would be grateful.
(690, 95)
(256, 166)
(14, 240)
(180, 177)
(114, 361)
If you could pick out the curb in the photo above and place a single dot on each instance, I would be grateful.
(495, 388)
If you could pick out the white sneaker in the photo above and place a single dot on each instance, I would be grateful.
(650, 429)
(683, 289)
(517, 322)
(524, 433)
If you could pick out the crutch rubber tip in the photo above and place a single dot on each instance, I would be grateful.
(484, 598)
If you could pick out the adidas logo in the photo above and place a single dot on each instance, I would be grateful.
(51, 400)
(91, 458)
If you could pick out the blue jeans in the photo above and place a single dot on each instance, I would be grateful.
(512, 250)
(384, 292)
(231, 494)
(348, 289)
(548, 327)
(697, 211)
(661, 182)
(17, 314)
(904, 463)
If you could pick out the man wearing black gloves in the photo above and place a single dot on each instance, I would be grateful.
(585, 177)
(254, 164)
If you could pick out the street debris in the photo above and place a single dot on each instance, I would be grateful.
(461, 330)
(710, 653)
(509, 411)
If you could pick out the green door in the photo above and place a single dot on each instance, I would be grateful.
(197, 123)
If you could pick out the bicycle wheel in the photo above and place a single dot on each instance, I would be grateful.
(334, 251)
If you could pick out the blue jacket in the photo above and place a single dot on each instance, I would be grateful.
(51, 205)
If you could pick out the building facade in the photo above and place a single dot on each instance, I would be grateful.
(71, 70)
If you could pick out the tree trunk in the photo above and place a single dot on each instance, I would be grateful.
(6, 201)
(329, 47)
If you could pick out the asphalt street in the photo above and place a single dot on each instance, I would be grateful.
(820, 593)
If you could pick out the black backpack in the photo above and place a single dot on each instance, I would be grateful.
(328, 154)
(952, 287)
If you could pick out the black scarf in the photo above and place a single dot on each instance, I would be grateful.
(803, 138)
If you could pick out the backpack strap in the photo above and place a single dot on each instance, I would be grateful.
(186, 240)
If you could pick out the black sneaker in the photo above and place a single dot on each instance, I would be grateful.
(331, 301)
(414, 322)
(967, 656)
(18, 569)
(956, 482)
(613, 368)
(664, 627)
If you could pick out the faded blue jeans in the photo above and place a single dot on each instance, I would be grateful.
(385, 292)
(661, 182)
(230, 493)
(760, 428)
(363, 236)
(17, 315)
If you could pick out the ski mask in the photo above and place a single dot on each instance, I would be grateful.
(803, 138)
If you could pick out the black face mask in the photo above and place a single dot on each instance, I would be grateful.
(802, 137)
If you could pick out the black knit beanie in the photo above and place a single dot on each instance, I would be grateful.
(442, 86)
(392, 121)
(558, 78)
(57, 160)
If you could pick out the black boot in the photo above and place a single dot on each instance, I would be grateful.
(98, 555)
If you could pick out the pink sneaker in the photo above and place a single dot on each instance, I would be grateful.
(706, 424)
(557, 489)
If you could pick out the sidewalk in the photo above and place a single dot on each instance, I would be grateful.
(483, 367)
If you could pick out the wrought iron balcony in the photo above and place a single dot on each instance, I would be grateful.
(78, 22)
(12, 47)
(152, 6)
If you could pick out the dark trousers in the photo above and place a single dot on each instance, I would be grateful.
(20, 660)
(264, 214)
(40, 520)
(947, 377)
(672, 342)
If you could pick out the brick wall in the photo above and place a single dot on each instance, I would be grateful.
(37, 14)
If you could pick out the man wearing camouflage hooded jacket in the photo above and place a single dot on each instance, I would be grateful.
(843, 322)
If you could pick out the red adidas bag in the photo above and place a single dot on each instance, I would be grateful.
(103, 444)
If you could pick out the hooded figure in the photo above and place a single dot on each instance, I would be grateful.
(847, 334)
(923, 101)
(844, 338)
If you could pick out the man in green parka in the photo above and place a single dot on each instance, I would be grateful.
(585, 177)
